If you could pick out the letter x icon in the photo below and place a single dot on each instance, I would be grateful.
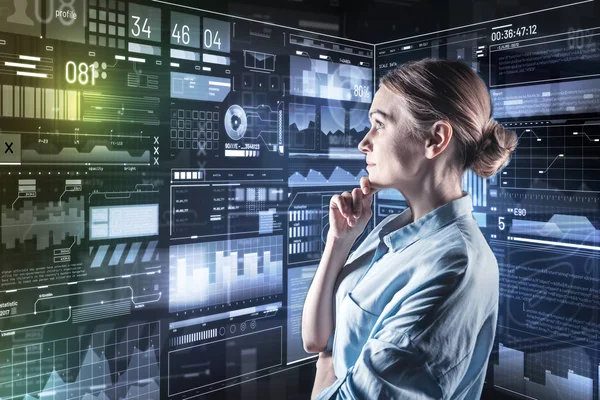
(8, 148)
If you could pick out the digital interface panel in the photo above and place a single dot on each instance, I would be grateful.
(166, 176)
(151, 226)
(540, 214)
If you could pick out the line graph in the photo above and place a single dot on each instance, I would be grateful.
(561, 227)
(559, 157)
(325, 173)
(558, 222)
(111, 365)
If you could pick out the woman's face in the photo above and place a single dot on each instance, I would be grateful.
(393, 161)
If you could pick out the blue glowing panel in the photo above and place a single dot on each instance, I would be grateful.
(359, 122)
(510, 374)
(208, 274)
(199, 87)
(120, 363)
(338, 177)
(302, 127)
(216, 35)
(115, 222)
(133, 252)
(327, 80)
(299, 280)
(476, 186)
(546, 98)
(333, 121)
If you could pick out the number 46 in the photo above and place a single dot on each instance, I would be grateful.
(184, 36)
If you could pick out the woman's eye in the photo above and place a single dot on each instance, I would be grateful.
(378, 125)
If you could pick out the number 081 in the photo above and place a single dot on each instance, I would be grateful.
(82, 73)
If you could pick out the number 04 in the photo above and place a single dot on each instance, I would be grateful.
(209, 40)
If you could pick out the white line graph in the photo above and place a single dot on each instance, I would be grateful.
(565, 157)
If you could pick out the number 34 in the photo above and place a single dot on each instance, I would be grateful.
(137, 30)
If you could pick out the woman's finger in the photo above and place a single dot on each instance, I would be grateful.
(346, 198)
(367, 200)
(357, 199)
(338, 202)
(365, 185)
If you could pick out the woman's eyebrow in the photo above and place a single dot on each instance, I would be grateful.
(382, 113)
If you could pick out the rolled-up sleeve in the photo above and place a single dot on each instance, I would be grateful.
(390, 365)
(386, 371)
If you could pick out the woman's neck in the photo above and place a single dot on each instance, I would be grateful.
(423, 199)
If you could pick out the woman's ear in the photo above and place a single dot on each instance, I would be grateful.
(441, 133)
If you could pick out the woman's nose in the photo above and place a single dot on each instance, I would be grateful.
(365, 145)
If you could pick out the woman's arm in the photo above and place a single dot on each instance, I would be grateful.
(413, 337)
(317, 315)
(325, 376)
(349, 214)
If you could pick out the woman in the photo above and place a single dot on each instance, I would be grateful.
(416, 303)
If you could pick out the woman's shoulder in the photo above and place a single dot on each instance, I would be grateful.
(460, 256)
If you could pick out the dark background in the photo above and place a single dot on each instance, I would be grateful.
(373, 21)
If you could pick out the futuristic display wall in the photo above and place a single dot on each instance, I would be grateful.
(165, 179)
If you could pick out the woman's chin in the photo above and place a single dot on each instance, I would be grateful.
(378, 183)
(375, 184)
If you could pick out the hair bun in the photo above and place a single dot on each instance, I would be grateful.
(490, 128)
(495, 149)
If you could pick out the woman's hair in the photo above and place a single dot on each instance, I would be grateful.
(434, 90)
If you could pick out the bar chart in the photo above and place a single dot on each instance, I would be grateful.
(476, 186)
(223, 272)
(510, 375)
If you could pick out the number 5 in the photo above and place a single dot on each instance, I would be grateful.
(501, 224)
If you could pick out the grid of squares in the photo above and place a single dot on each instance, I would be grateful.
(107, 23)
(194, 129)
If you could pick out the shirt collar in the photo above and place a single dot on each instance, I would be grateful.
(398, 234)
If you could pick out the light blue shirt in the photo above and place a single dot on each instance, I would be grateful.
(418, 322)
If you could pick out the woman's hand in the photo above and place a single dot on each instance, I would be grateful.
(349, 213)
(325, 375)
(348, 216)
